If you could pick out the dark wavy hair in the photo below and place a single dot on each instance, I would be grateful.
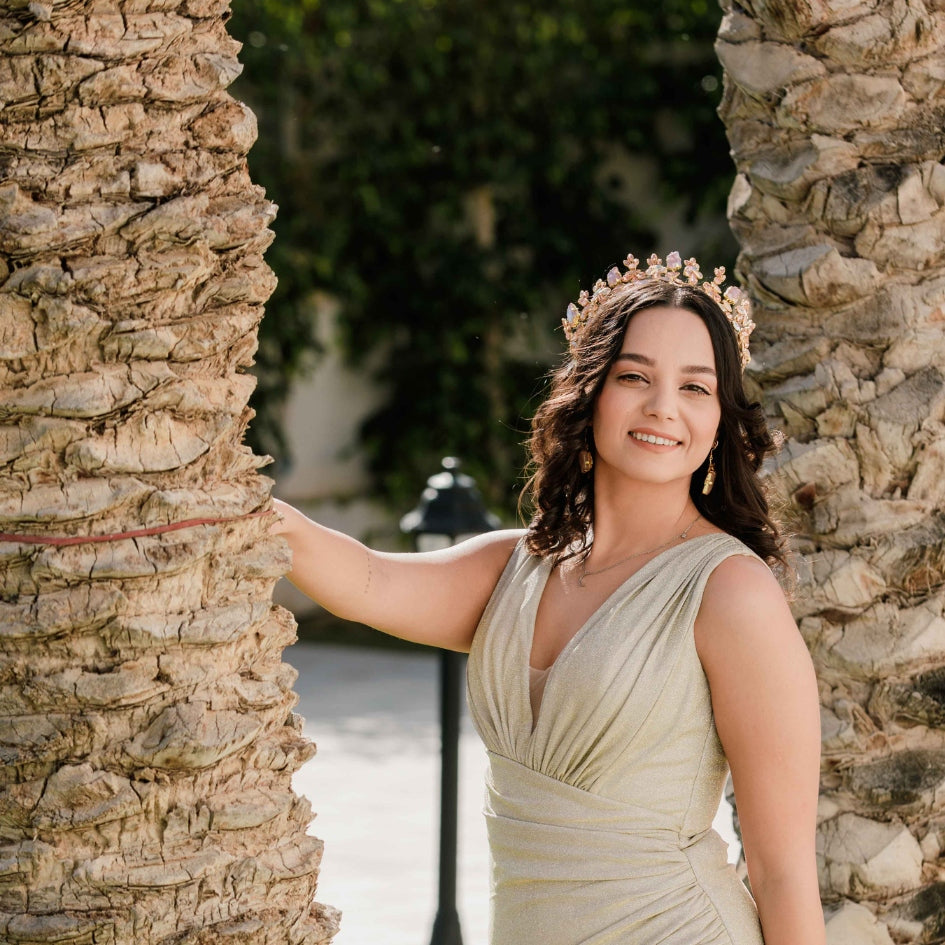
(562, 497)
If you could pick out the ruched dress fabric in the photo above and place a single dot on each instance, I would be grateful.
(599, 816)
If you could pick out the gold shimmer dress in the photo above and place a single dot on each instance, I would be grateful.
(600, 815)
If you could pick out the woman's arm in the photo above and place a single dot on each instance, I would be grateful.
(435, 597)
(767, 712)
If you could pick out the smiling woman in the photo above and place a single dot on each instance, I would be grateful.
(631, 645)
(657, 413)
(705, 350)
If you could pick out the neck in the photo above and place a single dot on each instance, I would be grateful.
(632, 518)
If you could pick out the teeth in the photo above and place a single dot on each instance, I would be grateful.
(649, 438)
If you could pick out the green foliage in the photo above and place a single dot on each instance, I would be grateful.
(453, 172)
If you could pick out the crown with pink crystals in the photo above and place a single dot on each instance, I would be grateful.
(732, 300)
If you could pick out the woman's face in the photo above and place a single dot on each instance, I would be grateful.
(658, 412)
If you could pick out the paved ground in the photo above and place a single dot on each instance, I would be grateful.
(374, 786)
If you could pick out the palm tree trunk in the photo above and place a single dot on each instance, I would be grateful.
(146, 734)
(835, 115)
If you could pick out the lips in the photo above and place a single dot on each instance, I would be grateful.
(653, 438)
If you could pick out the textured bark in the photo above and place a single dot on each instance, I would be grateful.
(146, 734)
(835, 111)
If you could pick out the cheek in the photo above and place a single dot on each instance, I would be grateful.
(605, 408)
(600, 406)
(714, 422)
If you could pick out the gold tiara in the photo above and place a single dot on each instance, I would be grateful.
(733, 301)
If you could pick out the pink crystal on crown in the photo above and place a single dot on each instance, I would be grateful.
(733, 301)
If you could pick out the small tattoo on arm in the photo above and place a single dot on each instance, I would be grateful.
(367, 583)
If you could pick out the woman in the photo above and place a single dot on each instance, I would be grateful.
(629, 643)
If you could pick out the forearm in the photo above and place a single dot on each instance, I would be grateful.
(790, 910)
(332, 568)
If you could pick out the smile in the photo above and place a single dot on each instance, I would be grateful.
(657, 440)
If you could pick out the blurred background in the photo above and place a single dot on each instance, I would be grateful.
(449, 175)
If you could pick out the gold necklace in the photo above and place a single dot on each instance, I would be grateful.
(636, 554)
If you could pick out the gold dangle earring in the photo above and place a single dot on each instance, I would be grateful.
(710, 472)
(586, 457)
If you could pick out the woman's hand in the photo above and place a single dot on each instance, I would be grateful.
(435, 597)
(285, 512)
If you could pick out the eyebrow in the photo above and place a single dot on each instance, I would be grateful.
(649, 362)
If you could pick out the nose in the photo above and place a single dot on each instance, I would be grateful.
(663, 402)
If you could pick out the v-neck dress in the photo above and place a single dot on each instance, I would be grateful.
(600, 815)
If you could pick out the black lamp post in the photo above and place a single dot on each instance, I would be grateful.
(450, 509)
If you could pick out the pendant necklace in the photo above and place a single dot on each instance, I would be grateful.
(636, 554)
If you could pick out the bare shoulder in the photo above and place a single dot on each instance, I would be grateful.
(490, 549)
(438, 597)
(743, 606)
(760, 673)
(500, 542)
(477, 563)
(741, 584)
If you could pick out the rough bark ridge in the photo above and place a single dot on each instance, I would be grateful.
(835, 111)
(146, 734)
